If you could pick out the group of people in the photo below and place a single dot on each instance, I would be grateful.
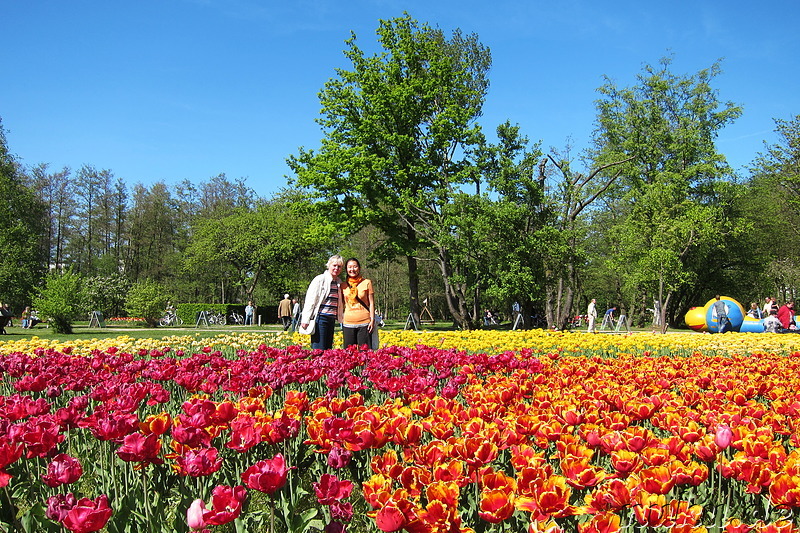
(289, 313)
(776, 319)
(591, 316)
(350, 302)
(29, 318)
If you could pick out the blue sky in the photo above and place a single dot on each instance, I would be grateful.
(187, 89)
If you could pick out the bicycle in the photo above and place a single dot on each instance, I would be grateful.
(236, 318)
(170, 319)
(215, 318)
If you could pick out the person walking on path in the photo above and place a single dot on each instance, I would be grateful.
(285, 312)
(591, 316)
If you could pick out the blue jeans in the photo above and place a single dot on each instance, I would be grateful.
(322, 338)
(723, 323)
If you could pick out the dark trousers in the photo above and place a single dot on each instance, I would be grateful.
(287, 321)
(358, 336)
(322, 338)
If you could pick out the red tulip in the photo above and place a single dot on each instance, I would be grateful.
(226, 505)
(9, 453)
(139, 448)
(339, 457)
(62, 470)
(390, 518)
(198, 462)
(88, 515)
(330, 489)
(59, 505)
(267, 476)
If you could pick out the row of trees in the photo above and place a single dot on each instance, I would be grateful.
(406, 177)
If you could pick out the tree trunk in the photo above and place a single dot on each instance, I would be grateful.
(456, 301)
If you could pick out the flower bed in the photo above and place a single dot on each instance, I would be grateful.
(571, 433)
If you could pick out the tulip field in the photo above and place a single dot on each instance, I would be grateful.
(474, 431)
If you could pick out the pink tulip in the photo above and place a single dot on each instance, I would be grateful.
(723, 437)
(194, 515)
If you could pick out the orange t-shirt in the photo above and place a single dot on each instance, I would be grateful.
(357, 314)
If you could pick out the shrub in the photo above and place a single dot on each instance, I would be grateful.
(147, 299)
(62, 300)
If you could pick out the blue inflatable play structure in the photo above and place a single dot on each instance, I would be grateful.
(705, 318)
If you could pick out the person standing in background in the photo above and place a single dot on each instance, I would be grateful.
(295, 314)
(249, 311)
(591, 316)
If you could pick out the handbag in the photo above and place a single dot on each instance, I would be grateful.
(310, 329)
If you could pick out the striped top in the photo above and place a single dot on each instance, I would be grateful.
(331, 304)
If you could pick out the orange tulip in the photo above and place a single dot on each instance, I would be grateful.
(156, 424)
(692, 473)
(476, 452)
(735, 525)
(625, 462)
(784, 491)
(445, 492)
(550, 498)
(656, 479)
(523, 456)
(601, 523)
(580, 474)
(451, 471)
(496, 505)
(649, 509)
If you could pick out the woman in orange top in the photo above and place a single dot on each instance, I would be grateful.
(358, 320)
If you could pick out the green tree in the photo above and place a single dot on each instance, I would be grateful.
(277, 237)
(156, 239)
(672, 192)
(55, 190)
(772, 204)
(62, 301)
(400, 132)
(22, 219)
(147, 299)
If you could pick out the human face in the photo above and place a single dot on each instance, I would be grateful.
(335, 269)
(353, 270)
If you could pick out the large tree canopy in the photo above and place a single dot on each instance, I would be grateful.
(399, 133)
(672, 192)
(22, 219)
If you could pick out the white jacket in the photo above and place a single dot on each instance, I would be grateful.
(317, 291)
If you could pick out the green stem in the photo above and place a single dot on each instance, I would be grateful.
(13, 510)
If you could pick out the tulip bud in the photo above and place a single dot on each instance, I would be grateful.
(194, 515)
(723, 437)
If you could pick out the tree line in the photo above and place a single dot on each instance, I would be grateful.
(443, 213)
